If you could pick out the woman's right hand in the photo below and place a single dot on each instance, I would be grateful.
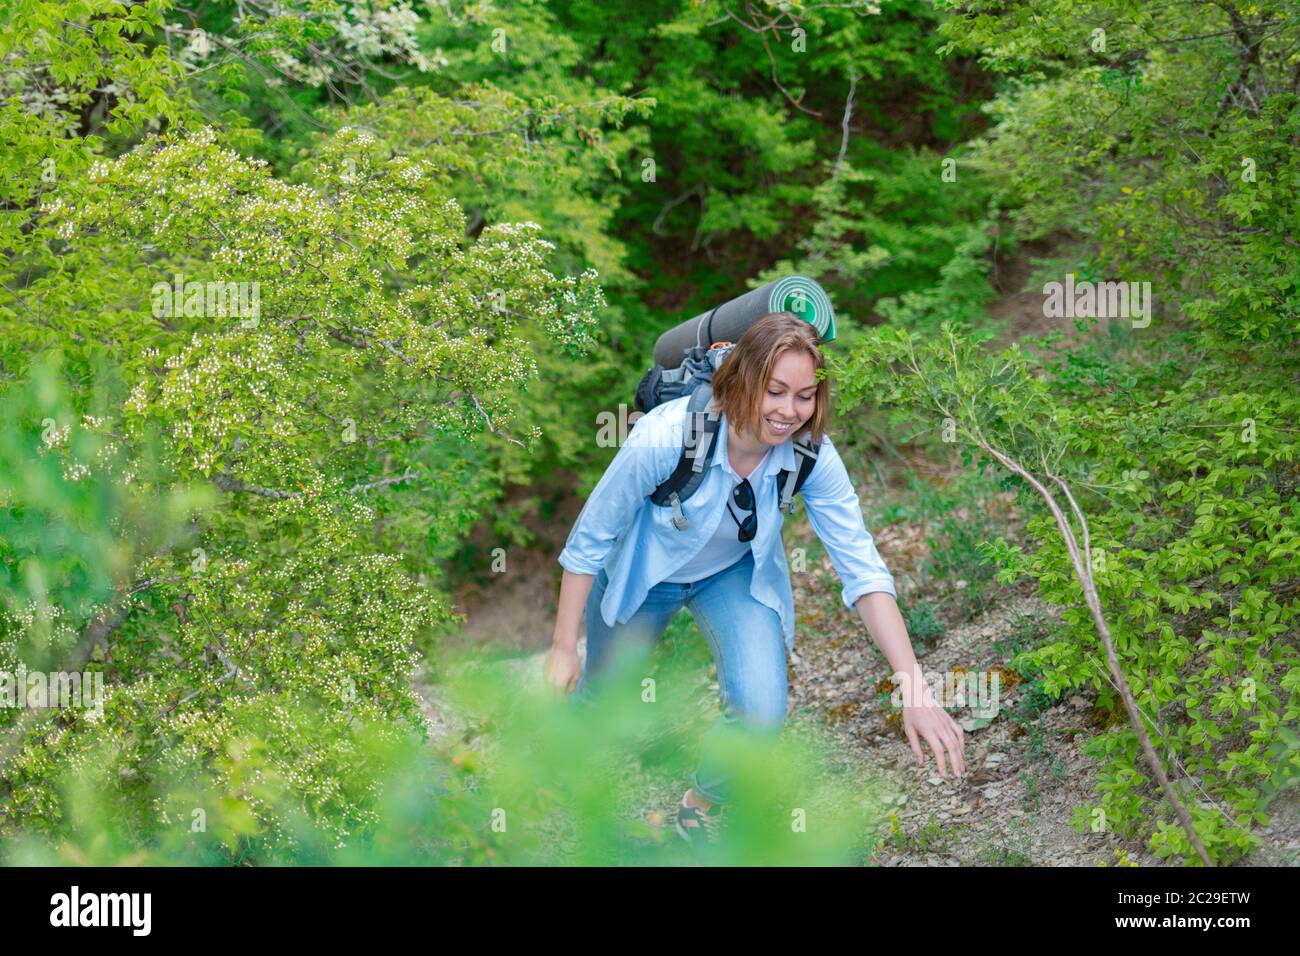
(562, 668)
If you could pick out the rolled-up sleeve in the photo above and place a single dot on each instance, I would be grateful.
(836, 515)
(647, 457)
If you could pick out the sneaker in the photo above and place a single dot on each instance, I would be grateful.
(698, 827)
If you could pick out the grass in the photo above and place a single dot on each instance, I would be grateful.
(923, 626)
(957, 517)
(931, 837)
(1012, 851)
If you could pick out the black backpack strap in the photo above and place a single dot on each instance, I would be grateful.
(701, 430)
(790, 482)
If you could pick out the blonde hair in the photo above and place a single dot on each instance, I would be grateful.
(741, 379)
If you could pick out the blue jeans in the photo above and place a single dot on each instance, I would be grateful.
(744, 635)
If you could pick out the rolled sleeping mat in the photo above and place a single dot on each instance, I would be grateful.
(798, 295)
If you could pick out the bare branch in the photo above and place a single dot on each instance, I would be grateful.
(382, 482)
(844, 125)
(227, 482)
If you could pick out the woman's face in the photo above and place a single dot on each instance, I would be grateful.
(790, 397)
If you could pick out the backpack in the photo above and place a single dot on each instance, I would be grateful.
(695, 378)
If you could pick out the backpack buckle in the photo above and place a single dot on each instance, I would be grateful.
(680, 521)
(787, 491)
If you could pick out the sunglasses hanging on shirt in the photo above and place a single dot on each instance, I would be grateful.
(743, 496)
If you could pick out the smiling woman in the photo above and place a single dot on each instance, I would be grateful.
(773, 385)
(634, 565)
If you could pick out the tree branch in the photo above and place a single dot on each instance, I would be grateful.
(844, 124)
(226, 482)
(382, 482)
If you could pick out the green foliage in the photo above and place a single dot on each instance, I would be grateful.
(727, 181)
(1161, 139)
(547, 783)
(359, 340)
(899, 239)
(246, 521)
(1193, 550)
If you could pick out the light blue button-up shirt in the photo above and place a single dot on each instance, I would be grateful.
(634, 539)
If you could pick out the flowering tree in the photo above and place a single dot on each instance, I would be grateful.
(322, 352)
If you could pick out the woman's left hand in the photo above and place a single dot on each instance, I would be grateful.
(940, 731)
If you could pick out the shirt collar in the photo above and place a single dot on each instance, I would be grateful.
(782, 457)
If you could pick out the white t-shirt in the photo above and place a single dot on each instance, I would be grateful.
(725, 547)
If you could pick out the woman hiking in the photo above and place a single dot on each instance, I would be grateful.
(632, 568)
